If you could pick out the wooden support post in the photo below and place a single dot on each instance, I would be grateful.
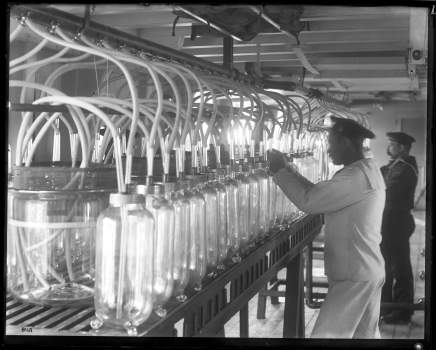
(293, 323)
(309, 273)
(243, 322)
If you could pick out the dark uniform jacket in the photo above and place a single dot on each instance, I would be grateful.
(401, 177)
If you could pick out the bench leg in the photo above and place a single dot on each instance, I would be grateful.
(261, 304)
(293, 322)
(243, 322)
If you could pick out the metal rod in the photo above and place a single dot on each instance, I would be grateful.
(44, 16)
(212, 25)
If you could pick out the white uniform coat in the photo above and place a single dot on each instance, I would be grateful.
(353, 202)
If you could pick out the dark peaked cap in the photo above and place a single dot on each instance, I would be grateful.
(350, 128)
(401, 137)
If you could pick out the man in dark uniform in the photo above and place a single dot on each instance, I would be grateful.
(401, 176)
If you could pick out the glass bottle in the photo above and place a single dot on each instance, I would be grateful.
(124, 264)
(253, 202)
(197, 231)
(211, 204)
(218, 185)
(272, 201)
(243, 206)
(233, 236)
(181, 239)
(279, 209)
(264, 215)
(163, 214)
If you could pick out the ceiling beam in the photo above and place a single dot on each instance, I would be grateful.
(297, 50)
(114, 9)
(290, 59)
(327, 63)
(140, 20)
(360, 63)
(378, 86)
(338, 13)
(341, 63)
(396, 23)
(306, 38)
(343, 74)
(373, 49)
(211, 24)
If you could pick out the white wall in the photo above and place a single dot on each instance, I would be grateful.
(409, 117)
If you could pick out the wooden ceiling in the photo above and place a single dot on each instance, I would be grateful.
(359, 53)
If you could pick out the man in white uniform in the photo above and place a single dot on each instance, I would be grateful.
(353, 202)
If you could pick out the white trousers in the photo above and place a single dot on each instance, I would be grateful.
(350, 310)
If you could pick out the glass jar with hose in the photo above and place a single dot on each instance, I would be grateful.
(52, 212)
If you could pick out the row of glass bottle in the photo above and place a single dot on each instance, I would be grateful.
(153, 243)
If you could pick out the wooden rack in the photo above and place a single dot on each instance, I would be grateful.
(205, 312)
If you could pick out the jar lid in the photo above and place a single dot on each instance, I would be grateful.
(125, 198)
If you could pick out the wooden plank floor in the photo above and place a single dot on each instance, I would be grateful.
(272, 325)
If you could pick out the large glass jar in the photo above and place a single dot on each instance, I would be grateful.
(264, 207)
(124, 264)
(243, 205)
(163, 214)
(222, 240)
(51, 233)
(233, 239)
(253, 203)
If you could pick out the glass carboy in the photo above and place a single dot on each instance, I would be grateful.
(124, 264)
(197, 234)
(211, 203)
(253, 206)
(222, 239)
(233, 236)
(163, 214)
(243, 206)
(264, 207)
(182, 242)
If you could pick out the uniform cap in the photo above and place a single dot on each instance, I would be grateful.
(350, 128)
(401, 137)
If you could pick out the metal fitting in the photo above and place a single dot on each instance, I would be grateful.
(77, 36)
(23, 18)
(52, 27)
